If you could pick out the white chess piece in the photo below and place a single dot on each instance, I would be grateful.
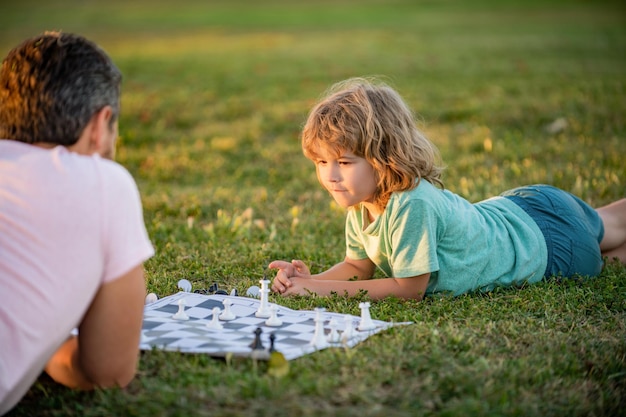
(366, 320)
(184, 285)
(274, 321)
(227, 314)
(333, 336)
(319, 340)
(215, 322)
(348, 329)
(151, 298)
(180, 314)
(253, 291)
(264, 310)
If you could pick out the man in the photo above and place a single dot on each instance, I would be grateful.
(72, 236)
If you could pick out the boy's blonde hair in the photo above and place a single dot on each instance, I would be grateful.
(371, 120)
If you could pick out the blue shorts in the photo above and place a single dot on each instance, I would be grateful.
(573, 230)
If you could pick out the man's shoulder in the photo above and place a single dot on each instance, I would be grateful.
(112, 168)
(49, 166)
(106, 169)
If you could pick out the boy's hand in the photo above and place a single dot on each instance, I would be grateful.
(286, 271)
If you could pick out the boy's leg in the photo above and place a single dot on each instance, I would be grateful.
(613, 217)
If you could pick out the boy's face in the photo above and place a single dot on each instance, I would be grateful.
(348, 178)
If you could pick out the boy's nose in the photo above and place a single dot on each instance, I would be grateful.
(333, 175)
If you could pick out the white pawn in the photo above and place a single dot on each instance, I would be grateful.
(366, 320)
(348, 329)
(151, 298)
(180, 314)
(319, 340)
(227, 314)
(333, 336)
(274, 321)
(215, 322)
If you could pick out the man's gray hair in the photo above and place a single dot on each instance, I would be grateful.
(51, 85)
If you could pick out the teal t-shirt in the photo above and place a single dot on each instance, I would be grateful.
(464, 246)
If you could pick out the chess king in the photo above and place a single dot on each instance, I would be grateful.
(72, 236)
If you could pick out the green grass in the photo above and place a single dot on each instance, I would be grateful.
(215, 93)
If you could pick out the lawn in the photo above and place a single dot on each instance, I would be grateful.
(215, 92)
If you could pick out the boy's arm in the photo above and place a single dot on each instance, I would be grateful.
(408, 288)
(348, 269)
(105, 353)
(361, 269)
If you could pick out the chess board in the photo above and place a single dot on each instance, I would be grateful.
(293, 338)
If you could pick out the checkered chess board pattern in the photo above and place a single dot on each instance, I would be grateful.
(293, 338)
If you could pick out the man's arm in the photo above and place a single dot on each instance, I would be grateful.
(105, 353)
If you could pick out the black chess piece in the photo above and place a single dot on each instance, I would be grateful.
(272, 340)
(256, 343)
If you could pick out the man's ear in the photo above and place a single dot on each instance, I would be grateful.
(93, 139)
(99, 128)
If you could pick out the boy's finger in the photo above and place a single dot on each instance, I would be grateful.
(278, 265)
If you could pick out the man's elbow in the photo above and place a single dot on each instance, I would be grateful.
(110, 377)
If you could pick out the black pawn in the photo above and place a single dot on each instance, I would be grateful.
(272, 340)
(256, 343)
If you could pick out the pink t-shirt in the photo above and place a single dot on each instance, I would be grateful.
(68, 224)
